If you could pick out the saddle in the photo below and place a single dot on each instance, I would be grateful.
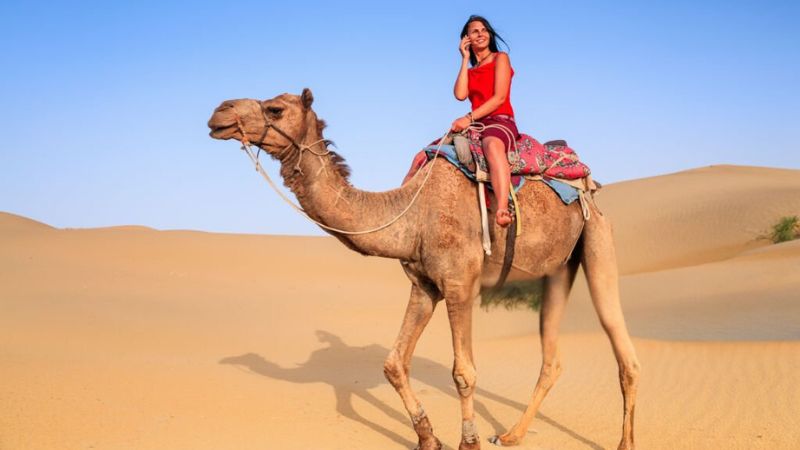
(554, 159)
(554, 163)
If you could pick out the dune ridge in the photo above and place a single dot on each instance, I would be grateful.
(697, 216)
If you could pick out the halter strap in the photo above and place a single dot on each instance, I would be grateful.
(246, 142)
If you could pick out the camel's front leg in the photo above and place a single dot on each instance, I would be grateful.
(459, 299)
(557, 287)
(398, 363)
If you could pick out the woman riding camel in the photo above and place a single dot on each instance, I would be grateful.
(485, 78)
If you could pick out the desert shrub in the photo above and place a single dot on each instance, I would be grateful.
(787, 229)
(514, 294)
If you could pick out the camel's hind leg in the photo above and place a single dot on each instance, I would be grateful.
(600, 265)
(398, 363)
(557, 287)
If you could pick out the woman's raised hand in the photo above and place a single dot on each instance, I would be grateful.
(463, 47)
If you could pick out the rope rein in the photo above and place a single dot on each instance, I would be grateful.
(254, 158)
(246, 146)
(300, 210)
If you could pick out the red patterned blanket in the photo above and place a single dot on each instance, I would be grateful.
(553, 159)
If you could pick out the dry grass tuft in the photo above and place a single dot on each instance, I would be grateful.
(787, 229)
(514, 294)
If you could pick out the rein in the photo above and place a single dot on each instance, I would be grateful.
(254, 157)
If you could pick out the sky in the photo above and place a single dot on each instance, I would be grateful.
(103, 105)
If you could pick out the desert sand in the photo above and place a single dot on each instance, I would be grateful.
(134, 338)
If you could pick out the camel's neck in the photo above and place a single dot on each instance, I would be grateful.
(323, 191)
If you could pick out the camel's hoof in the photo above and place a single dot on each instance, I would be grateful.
(429, 444)
(500, 441)
(626, 446)
(470, 445)
(427, 441)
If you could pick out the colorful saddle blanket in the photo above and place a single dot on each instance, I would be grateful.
(552, 160)
(566, 193)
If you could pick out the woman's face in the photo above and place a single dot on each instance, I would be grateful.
(478, 35)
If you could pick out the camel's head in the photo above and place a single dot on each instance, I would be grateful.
(271, 124)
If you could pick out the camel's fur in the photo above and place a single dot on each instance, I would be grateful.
(439, 245)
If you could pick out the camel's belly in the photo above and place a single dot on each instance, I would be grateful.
(549, 234)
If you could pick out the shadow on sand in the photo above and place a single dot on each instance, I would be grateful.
(353, 371)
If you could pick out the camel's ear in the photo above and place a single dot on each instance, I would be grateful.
(307, 98)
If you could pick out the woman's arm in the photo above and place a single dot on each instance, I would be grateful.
(461, 88)
(502, 84)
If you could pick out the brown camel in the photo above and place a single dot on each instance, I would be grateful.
(438, 242)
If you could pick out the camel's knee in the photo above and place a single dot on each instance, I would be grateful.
(629, 374)
(393, 369)
(549, 374)
(465, 377)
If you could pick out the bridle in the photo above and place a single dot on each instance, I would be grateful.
(287, 151)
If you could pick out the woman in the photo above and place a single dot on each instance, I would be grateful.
(485, 78)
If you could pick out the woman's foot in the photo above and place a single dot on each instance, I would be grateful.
(503, 217)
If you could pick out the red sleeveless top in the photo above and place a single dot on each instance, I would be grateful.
(480, 82)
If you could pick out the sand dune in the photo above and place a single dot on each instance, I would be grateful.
(697, 216)
(752, 296)
(128, 337)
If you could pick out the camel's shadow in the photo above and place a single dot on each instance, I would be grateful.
(362, 373)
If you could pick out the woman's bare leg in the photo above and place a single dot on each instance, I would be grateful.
(500, 172)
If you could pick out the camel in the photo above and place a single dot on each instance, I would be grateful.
(438, 243)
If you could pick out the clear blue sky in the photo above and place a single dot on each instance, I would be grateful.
(104, 105)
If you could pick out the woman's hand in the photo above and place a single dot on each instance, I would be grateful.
(460, 124)
(463, 47)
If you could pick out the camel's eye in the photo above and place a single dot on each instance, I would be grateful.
(274, 110)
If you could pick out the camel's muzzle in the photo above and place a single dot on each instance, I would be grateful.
(222, 124)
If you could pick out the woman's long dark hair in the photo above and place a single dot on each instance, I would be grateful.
(493, 37)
